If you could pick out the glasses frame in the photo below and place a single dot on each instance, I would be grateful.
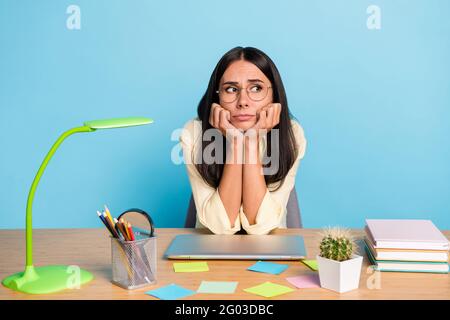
(239, 94)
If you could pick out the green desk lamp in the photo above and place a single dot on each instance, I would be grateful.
(48, 279)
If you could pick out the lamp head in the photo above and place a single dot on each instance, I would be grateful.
(117, 123)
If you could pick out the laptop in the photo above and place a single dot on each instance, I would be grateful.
(237, 247)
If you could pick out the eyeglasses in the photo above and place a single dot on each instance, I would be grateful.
(255, 92)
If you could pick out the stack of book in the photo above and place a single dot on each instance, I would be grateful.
(406, 246)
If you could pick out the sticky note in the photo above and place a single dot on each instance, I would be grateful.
(312, 264)
(269, 289)
(268, 267)
(306, 281)
(190, 266)
(170, 292)
(217, 287)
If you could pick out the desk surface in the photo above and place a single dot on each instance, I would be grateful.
(91, 250)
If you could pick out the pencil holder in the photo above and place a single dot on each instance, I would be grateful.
(133, 262)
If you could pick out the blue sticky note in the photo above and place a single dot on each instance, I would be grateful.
(170, 292)
(268, 267)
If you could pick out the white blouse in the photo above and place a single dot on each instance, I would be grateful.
(211, 212)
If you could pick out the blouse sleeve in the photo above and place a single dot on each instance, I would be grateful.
(211, 212)
(272, 210)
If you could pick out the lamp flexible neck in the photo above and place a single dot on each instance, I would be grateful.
(37, 178)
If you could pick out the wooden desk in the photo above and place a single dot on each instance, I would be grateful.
(91, 249)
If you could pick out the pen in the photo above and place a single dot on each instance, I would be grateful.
(105, 223)
(110, 223)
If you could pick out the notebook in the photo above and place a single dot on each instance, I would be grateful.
(405, 234)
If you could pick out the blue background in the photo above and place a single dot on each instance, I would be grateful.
(374, 104)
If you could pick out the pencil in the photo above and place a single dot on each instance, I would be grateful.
(111, 225)
(130, 231)
(108, 214)
(116, 225)
(124, 223)
(122, 230)
(105, 223)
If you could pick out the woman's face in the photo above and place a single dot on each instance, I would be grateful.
(244, 75)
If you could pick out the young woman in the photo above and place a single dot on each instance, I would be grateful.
(245, 105)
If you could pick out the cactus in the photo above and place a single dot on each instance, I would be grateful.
(337, 244)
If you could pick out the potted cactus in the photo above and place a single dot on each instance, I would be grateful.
(339, 265)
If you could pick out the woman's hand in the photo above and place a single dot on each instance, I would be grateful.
(268, 117)
(220, 118)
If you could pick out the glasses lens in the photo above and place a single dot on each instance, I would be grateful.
(229, 94)
(257, 92)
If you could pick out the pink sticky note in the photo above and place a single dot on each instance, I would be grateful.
(308, 281)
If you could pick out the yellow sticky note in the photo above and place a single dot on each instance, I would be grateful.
(269, 289)
(190, 266)
(311, 264)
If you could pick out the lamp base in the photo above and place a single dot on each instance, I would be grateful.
(47, 279)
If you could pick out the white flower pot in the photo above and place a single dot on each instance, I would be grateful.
(340, 276)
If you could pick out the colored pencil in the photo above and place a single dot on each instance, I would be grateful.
(116, 235)
(109, 214)
(122, 230)
(130, 231)
(105, 223)
(124, 223)
(116, 225)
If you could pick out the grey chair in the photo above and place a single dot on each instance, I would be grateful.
(293, 218)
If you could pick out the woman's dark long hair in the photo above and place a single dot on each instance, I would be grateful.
(212, 173)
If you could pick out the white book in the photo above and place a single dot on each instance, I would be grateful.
(405, 234)
(406, 266)
(407, 254)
